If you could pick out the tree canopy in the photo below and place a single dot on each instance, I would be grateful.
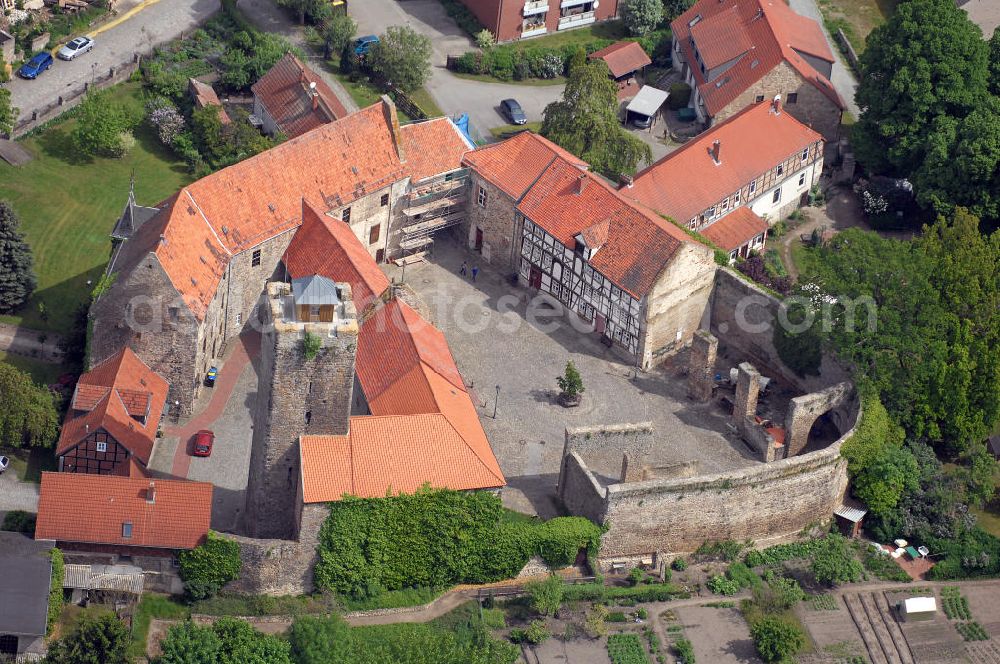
(103, 127)
(8, 112)
(208, 567)
(17, 276)
(101, 640)
(27, 411)
(775, 639)
(586, 124)
(226, 641)
(402, 57)
(640, 16)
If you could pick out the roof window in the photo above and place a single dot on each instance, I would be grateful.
(127, 530)
(694, 21)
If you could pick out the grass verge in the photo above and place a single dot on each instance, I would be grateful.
(537, 82)
(498, 132)
(43, 373)
(153, 606)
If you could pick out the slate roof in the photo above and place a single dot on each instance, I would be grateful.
(110, 397)
(24, 586)
(199, 230)
(761, 34)
(296, 98)
(735, 229)
(623, 57)
(75, 507)
(687, 181)
(314, 289)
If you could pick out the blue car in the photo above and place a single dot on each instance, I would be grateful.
(213, 373)
(364, 44)
(35, 66)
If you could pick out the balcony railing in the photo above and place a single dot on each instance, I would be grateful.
(538, 7)
(533, 30)
(576, 20)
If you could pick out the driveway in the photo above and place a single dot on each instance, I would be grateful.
(453, 94)
(24, 341)
(17, 495)
(156, 21)
(842, 78)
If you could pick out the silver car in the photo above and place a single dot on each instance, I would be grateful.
(76, 47)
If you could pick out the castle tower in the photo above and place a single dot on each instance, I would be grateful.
(306, 380)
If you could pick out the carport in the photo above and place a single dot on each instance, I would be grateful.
(646, 104)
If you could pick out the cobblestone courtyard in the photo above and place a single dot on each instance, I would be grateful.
(487, 326)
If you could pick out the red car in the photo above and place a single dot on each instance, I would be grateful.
(203, 443)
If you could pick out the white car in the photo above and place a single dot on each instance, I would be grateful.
(4, 462)
(76, 47)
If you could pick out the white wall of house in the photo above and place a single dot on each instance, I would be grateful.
(791, 189)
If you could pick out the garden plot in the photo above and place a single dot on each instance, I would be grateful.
(719, 635)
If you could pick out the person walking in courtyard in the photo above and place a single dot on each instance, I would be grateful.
(475, 271)
(464, 270)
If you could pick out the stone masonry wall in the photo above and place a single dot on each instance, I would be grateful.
(496, 220)
(579, 490)
(813, 108)
(806, 409)
(635, 440)
(701, 365)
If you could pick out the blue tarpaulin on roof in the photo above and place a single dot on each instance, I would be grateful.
(462, 122)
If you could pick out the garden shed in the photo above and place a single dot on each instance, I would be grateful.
(918, 608)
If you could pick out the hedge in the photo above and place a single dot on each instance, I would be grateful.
(437, 538)
(56, 588)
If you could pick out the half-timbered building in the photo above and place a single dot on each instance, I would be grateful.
(110, 426)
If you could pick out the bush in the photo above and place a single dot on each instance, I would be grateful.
(684, 651)
(679, 565)
(546, 596)
(469, 63)
(720, 585)
(56, 588)
(536, 632)
(103, 128)
(636, 576)
(499, 62)
(680, 95)
(165, 119)
(206, 568)
(834, 561)
(19, 521)
(775, 639)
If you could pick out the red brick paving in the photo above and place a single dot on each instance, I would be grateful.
(246, 348)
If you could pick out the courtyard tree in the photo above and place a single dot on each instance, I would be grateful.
(100, 640)
(27, 411)
(570, 385)
(103, 127)
(402, 57)
(208, 567)
(674, 8)
(585, 123)
(928, 61)
(337, 31)
(995, 62)
(314, 10)
(640, 16)
(833, 561)
(775, 639)
(8, 113)
(546, 596)
(17, 276)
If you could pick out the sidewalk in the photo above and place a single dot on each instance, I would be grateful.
(25, 341)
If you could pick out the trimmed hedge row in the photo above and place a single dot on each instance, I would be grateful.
(437, 538)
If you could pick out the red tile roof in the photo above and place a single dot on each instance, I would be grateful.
(433, 147)
(686, 182)
(763, 32)
(296, 98)
(423, 427)
(204, 95)
(638, 243)
(735, 229)
(110, 396)
(74, 507)
(328, 247)
(200, 229)
(513, 165)
(623, 58)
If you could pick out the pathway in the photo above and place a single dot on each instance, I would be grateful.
(841, 211)
(25, 341)
(269, 18)
(17, 495)
(842, 78)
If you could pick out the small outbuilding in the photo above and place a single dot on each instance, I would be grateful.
(24, 595)
(918, 608)
(645, 106)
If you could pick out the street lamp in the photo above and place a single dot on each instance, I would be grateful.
(495, 402)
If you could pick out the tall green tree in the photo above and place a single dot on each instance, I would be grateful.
(995, 62)
(586, 124)
(27, 412)
(314, 10)
(187, 643)
(101, 640)
(402, 57)
(17, 276)
(8, 113)
(640, 16)
(775, 639)
(337, 32)
(927, 61)
(242, 644)
(103, 127)
(674, 8)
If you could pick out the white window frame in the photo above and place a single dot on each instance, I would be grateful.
(753, 187)
(736, 198)
(776, 197)
(780, 169)
(805, 154)
(102, 446)
(481, 197)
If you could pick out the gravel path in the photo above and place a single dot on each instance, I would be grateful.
(25, 341)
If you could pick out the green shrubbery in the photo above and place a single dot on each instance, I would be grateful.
(206, 568)
(19, 521)
(626, 649)
(774, 555)
(56, 587)
(437, 538)
(680, 95)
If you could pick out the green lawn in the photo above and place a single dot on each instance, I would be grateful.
(602, 30)
(498, 132)
(43, 373)
(856, 18)
(68, 206)
(28, 464)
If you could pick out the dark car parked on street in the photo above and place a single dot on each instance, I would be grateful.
(513, 111)
(35, 66)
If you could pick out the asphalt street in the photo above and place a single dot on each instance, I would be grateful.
(157, 21)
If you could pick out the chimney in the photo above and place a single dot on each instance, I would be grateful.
(581, 183)
(625, 181)
(151, 493)
(776, 105)
(715, 152)
(389, 108)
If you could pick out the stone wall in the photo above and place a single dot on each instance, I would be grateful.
(742, 316)
(701, 365)
(806, 409)
(634, 440)
(579, 490)
(497, 222)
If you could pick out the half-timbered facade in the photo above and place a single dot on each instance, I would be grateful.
(110, 426)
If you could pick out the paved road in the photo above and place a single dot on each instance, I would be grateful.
(269, 18)
(157, 22)
(17, 495)
(24, 341)
(843, 79)
(453, 94)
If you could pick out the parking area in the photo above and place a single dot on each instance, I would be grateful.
(510, 354)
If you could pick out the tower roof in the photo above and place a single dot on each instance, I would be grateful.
(315, 289)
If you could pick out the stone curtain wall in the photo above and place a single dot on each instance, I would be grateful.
(735, 298)
(635, 440)
(579, 490)
(806, 409)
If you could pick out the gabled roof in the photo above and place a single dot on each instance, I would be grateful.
(93, 509)
(513, 165)
(687, 181)
(328, 247)
(623, 57)
(204, 95)
(296, 98)
(199, 230)
(761, 34)
(27, 575)
(566, 201)
(735, 229)
(110, 397)
(314, 289)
